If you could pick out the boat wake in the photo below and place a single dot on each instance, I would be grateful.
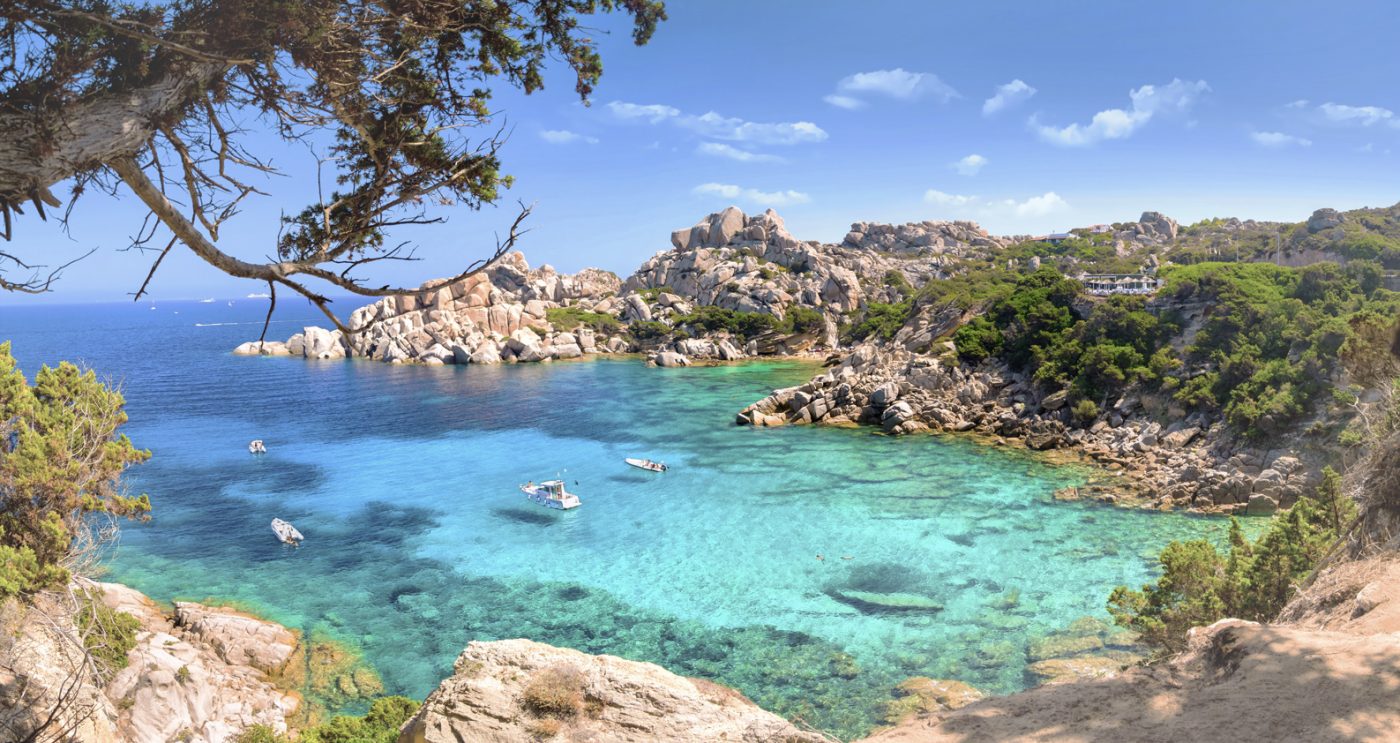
(218, 324)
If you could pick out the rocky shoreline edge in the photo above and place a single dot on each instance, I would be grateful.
(1192, 463)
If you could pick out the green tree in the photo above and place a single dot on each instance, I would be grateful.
(153, 94)
(61, 461)
(1199, 586)
(380, 725)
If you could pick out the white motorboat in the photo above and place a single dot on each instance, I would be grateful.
(550, 494)
(286, 532)
(256, 446)
(646, 464)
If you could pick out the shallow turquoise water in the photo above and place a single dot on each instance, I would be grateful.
(404, 481)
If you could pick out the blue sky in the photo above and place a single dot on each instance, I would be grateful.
(1027, 117)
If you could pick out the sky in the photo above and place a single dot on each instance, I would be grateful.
(1027, 117)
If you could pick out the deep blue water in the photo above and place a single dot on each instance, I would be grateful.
(404, 481)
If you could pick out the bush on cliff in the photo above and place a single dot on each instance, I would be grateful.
(380, 725)
(61, 461)
(882, 320)
(1200, 586)
(570, 318)
(743, 325)
(108, 634)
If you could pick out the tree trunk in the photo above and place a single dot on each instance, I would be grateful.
(38, 152)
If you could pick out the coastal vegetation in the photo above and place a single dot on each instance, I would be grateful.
(61, 461)
(1262, 357)
(379, 725)
(1200, 585)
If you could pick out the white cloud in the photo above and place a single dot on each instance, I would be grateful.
(1279, 139)
(844, 101)
(933, 196)
(1116, 123)
(1300, 103)
(1008, 95)
(1358, 115)
(752, 195)
(652, 113)
(898, 83)
(564, 136)
(1037, 206)
(714, 126)
(716, 149)
(970, 165)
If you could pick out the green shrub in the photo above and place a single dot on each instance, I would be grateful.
(107, 634)
(803, 319)
(380, 725)
(980, 338)
(61, 459)
(259, 734)
(1085, 411)
(881, 320)
(1200, 586)
(649, 330)
(746, 325)
(571, 318)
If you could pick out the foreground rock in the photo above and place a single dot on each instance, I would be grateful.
(517, 690)
(1326, 673)
(200, 676)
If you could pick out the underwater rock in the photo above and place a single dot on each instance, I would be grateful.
(868, 602)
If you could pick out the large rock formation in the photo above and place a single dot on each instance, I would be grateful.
(517, 690)
(200, 676)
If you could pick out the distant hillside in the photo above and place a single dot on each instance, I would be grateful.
(1359, 234)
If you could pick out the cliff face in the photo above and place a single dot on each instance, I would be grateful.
(1325, 672)
(517, 690)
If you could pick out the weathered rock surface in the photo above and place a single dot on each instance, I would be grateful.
(202, 675)
(490, 699)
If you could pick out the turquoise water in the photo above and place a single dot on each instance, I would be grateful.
(753, 561)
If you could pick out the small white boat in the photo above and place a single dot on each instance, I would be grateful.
(647, 464)
(550, 494)
(286, 532)
(256, 446)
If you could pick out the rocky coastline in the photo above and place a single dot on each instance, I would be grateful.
(1192, 462)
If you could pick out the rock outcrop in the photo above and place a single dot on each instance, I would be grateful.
(1324, 673)
(201, 675)
(517, 690)
(1190, 462)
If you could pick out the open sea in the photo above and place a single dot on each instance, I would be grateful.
(765, 559)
